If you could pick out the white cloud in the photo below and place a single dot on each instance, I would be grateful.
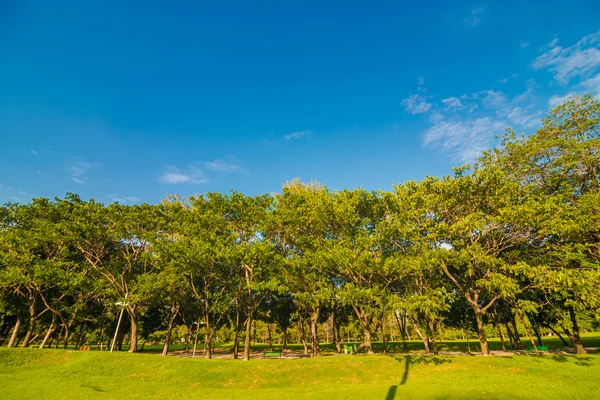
(524, 43)
(416, 104)
(35, 153)
(223, 166)
(492, 98)
(123, 199)
(581, 59)
(453, 102)
(77, 168)
(524, 118)
(190, 174)
(465, 140)
(592, 86)
(474, 18)
(297, 135)
(556, 100)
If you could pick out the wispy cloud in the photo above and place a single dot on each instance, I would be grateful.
(122, 199)
(416, 104)
(474, 17)
(297, 135)
(524, 43)
(34, 152)
(223, 166)
(579, 60)
(78, 168)
(453, 103)
(191, 174)
(464, 140)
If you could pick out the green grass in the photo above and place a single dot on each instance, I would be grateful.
(59, 374)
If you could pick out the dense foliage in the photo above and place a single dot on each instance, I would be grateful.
(511, 243)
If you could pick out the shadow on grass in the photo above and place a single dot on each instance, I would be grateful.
(410, 361)
(582, 361)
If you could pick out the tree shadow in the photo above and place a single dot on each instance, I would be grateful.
(409, 361)
(582, 361)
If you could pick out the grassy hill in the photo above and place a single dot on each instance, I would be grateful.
(59, 374)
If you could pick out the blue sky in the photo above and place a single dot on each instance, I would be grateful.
(128, 101)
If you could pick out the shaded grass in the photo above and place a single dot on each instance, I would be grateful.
(590, 339)
(58, 374)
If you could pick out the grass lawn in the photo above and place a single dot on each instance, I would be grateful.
(60, 374)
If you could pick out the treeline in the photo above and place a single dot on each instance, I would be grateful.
(512, 240)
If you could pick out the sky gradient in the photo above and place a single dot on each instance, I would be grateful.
(128, 101)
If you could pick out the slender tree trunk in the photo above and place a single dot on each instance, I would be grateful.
(513, 344)
(382, 327)
(485, 351)
(285, 342)
(423, 338)
(49, 332)
(208, 343)
(402, 329)
(574, 336)
(528, 334)
(32, 321)
(516, 333)
(314, 333)
(248, 333)
(133, 336)
(81, 335)
(62, 329)
(303, 336)
(336, 328)
(536, 329)
(468, 343)
(66, 336)
(13, 337)
(270, 338)
(433, 336)
(562, 339)
(236, 339)
(501, 335)
(99, 344)
(167, 341)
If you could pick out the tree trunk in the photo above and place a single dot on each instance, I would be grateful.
(513, 344)
(336, 328)
(13, 337)
(433, 338)
(314, 333)
(303, 336)
(208, 343)
(81, 336)
(32, 321)
(575, 337)
(167, 341)
(248, 333)
(485, 351)
(385, 351)
(402, 329)
(133, 336)
(536, 329)
(49, 332)
(516, 333)
(285, 346)
(501, 337)
(562, 339)
(270, 338)
(528, 334)
(236, 340)
(66, 336)
(423, 338)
